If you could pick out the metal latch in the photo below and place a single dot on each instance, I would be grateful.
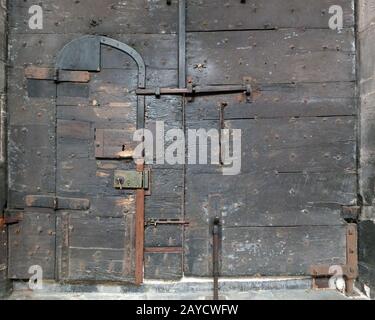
(156, 222)
(132, 179)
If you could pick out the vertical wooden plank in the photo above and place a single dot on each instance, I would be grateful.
(32, 242)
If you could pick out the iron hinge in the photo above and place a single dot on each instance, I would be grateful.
(132, 179)
(11, 217)
(350, 270)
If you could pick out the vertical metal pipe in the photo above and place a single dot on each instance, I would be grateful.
(139, 231)
(215, 258)
(3, 116)
(182, 43)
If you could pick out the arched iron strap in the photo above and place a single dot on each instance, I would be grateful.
(132, 53)
(141, 102)
(84, 54)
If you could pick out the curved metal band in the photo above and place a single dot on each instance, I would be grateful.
(132, 53)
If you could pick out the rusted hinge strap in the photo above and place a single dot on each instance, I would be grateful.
(350, 269)
(38, 73)
(11, 217)
(57, 203)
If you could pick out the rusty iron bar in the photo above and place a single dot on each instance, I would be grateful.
(182, 43)
(164, 250)
(139, 231)
(191, 90)
(352, 257)
(215, 258)
(156, 222)
(8, 221)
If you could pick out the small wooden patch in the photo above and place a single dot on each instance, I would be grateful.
(73, 76)
(114, 144)
(38, 73)
(42, 73)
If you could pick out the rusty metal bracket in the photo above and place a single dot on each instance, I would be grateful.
(215, 255)
(350, 269)
(8, 221)
(11, 217)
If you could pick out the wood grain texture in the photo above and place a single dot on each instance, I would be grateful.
(280, 215)
(99, 248)
(263, 14)
(99, 16)
(37, 248)
(278, 56)
(266, 251)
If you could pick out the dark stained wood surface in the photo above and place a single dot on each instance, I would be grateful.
(280, 215)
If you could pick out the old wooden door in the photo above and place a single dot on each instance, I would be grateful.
(69, 133)
(95, 125)
(95, 204)
(282, 214)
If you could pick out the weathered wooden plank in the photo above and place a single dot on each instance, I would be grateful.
(164, 206)
(163, 236)
(264, 14)
(269, 198)
(32, 242)
(279, 101)
(279, 56)
(298, 145)
(57, 202)
(158, 51)
(41, 88)
(114, 144)
(98, 265)
(167, 266)
(266, 251)
(99, 248)
(87, 231)
(114, 112)
(98, 16)
(73, 76)
(308, 144)
(74, 129)
(73, 90)
(112, 207)
(40, 73)
(25, 110)
(274, 254)
(31, 146)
